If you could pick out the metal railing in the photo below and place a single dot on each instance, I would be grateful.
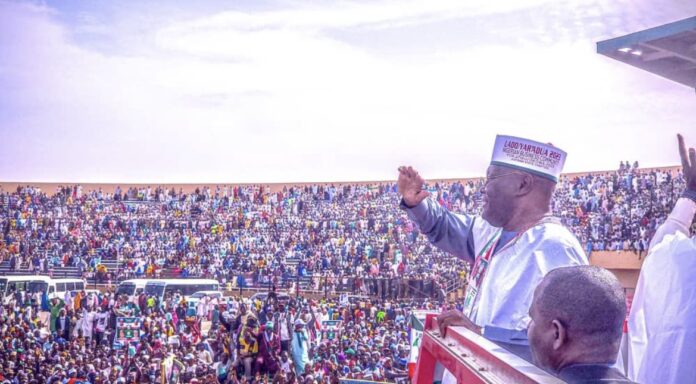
(374, 287)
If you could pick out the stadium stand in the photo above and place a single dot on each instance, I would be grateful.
(324, 239)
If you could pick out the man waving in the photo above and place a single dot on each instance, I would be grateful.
(511, 246)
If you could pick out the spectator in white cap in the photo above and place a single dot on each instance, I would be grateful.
(511, 246)
(300, 347)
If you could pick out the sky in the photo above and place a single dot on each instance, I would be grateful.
(260, 91)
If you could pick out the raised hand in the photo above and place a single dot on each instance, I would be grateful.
(410, 186)
(688, 161)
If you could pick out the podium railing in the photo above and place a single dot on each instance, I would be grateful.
(470, 358)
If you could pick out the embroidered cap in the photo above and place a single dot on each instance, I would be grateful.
(531, 156)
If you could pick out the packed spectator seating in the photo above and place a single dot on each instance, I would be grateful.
(250, 235)
(349, 237)
(355, 232)
(618, 211)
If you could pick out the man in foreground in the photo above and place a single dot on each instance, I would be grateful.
(576, 324)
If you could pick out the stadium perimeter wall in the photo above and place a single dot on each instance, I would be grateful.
(625, 265)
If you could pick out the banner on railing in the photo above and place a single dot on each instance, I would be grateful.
(417, 322)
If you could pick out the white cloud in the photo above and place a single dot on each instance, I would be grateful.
(270, 96)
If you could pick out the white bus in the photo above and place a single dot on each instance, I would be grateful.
(17, 283)
(186, 287)
(56, 288)
(132, 288)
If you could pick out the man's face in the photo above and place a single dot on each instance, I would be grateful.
(541, 334)
(498, 194)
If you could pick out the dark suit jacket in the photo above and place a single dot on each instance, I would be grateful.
(63, 332)
(593, 373)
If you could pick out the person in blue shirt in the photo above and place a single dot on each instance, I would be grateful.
(300, 347)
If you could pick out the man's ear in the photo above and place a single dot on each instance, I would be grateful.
(559, 332)
(525, 185)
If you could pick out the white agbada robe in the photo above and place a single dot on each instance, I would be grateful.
(212, 304)
(87, 324)
(515, 269)
(662, 323)
(67, 299)
(202, 307)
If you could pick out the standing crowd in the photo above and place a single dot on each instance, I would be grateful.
(228, 340)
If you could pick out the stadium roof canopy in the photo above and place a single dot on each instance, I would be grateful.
(668, 50)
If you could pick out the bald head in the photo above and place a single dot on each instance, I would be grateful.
(577, 317)
(588, 299)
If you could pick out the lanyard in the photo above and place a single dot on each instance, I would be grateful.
(478, 271)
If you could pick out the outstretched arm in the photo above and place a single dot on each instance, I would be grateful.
(446, 230)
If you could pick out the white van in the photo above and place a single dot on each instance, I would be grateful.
(186, 287)
(56, 288)
(17, 283)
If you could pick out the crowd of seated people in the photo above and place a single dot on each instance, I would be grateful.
(336, 232)
(349, 231)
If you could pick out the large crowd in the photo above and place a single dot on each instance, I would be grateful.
(354, 232)
(336, 232)
(228, 340)
(618, 211)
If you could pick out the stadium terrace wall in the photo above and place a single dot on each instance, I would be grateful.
(50, 187)
(624, 264)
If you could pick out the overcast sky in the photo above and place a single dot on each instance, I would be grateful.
(276, 91)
